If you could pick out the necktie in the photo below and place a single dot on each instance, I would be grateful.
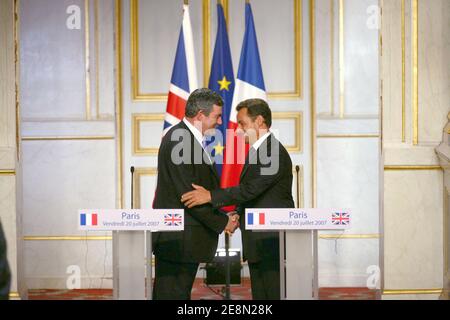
(204, 145)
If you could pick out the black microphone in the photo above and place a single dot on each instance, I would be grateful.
(132, 187)
(297, 169)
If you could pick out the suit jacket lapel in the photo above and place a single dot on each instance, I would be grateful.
(214, 170)
(204, 154)
(251, 156)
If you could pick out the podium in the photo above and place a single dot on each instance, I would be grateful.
(132, 244)
(298, 229)
(132, 247)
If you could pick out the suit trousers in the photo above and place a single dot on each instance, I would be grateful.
(173, 280)
(265, 279)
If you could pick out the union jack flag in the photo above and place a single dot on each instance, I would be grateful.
(340, 218)
(172, 219)
(184, 75)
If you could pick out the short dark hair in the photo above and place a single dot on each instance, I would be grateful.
(257, 107)
(202, 100)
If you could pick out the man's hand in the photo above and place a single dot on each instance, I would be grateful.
(232, 225)
(196, 197)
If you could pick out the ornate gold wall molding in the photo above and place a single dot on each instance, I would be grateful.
(137, 95)
(14, 296)
(7, 172)
(412, 167)
(415, 65)
(411, 291)
(66, 238)
(341, 61)
(312, 32)
(87, 58)
(67, 138)
(139, 173)
(349, 236)
(345, 136)
(97, 57)
(403, 71)
(138, 150)
(298, 57)
(298, 120)
(118, 102)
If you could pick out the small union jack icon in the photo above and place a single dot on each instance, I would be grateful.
(340, 218)
(172, 219)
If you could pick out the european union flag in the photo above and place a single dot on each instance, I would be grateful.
(221, 80)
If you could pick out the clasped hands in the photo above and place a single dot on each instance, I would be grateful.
(201, 196)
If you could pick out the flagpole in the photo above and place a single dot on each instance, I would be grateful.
(227, 247)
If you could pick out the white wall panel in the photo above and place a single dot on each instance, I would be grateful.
(63, 177)
(361, 66)
(53, 77)
(51, 263)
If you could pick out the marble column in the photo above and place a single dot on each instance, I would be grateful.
(415, 94)
(443, 151)
(10, 182)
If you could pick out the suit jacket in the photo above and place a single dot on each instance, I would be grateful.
(258, 190)
(203, 224)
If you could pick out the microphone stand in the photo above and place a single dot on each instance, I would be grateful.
(132, 187)
(227, 267)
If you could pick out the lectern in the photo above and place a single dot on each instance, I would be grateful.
(132, 244)
(298, 228)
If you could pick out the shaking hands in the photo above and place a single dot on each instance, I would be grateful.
(201, 196)
(233, 223)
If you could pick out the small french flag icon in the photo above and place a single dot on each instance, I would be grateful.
(256, 219)
(88, 219)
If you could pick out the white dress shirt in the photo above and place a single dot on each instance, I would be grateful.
(260, 141)
(197, 135)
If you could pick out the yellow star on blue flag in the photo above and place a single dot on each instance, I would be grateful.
(224, 84)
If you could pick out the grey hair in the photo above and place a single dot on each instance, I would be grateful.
(202, 100)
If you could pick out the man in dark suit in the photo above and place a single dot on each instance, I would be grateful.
(5, 275)
(181, 161)
(265, 182)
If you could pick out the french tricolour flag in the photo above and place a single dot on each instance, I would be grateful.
(249, 84)
(184, 75)
(257, 219)
(88, 219)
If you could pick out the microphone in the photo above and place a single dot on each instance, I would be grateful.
(297, 169)
(132, 187)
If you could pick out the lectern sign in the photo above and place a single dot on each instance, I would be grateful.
(297, 219)
(131, 219)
